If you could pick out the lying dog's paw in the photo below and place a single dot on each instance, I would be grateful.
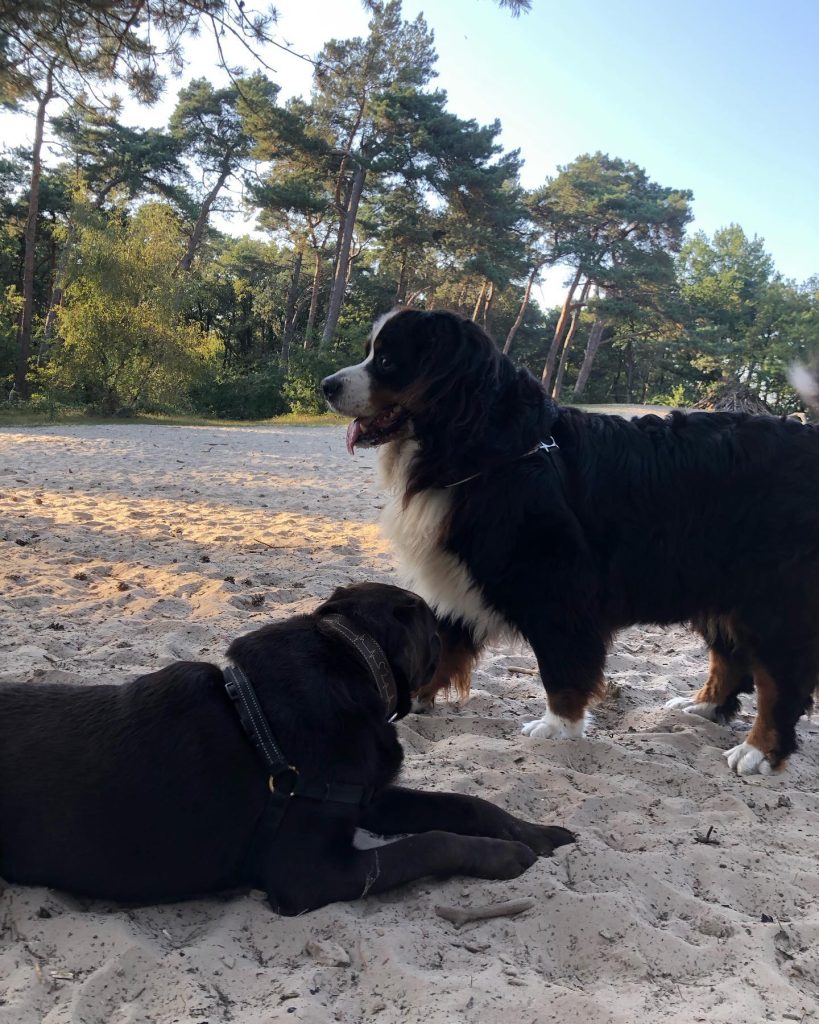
(553, 727)
(703, 708)
(543, 839)
(500, 858)
(746, 759)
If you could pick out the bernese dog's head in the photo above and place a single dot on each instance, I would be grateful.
(438, 378)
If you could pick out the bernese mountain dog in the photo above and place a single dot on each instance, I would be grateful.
(513, 515)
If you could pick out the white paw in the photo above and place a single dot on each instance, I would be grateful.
(747, 759)
(553, 727)
(421, 707)
(703, 708)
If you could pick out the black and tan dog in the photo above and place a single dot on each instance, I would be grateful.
(153, 790)
(514, 515)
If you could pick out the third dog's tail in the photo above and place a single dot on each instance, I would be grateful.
(805, 381)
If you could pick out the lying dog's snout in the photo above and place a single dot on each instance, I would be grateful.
(331, 386)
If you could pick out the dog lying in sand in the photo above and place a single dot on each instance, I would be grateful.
(190, 780)
(516, 516)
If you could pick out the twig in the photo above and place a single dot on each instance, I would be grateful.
(706, 839)
(464, 915)
(257, 540)
(517, 670)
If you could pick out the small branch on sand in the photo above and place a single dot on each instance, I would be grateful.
(706, 839)
(257, 540)
(464, 915)
(517, 670)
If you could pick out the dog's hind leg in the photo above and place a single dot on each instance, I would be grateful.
(784, 681)
(729, 674)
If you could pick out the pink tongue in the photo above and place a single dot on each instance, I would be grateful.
(354, 431)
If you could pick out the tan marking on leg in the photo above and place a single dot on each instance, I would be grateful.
(764, 735)
(454, 672)
(572, 704)
(724, 679)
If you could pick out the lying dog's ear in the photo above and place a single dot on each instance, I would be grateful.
(408, 615)
(418, 651)
(401, 622)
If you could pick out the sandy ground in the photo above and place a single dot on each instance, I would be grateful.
(126, 547)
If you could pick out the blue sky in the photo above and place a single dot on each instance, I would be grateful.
(721, 97)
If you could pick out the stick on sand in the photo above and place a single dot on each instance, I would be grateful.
(465, 915)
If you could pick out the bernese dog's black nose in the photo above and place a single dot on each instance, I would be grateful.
(331, 386)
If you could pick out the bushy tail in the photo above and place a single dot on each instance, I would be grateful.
(805, 381)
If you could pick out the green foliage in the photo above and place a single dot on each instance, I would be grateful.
(11, 304)
(92, 41)
(233, 394)
(125, 339)
(301, 388)
(115, 162)
(370, 192)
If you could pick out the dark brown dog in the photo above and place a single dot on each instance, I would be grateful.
(153, 791)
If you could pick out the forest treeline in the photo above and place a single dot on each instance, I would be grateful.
(118, 293)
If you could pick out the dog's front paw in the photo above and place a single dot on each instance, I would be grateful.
(746, 759)
(702, 708)
(543, 839)
(553, 727)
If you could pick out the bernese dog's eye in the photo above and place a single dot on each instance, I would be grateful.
(383, 362)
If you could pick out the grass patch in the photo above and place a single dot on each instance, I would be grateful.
(76, 417)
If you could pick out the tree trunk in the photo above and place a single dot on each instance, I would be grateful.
(478, 304)
(401, 290)
(290, 305)
(593, 344)
(513, 330)
(342, 262)
(30, 236)
(560, 330)
(202, 220)
(314, 297)
(564, 356)
(487, 306)
(350, 261)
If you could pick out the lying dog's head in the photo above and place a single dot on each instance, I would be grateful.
(437, 377)
(402, 625)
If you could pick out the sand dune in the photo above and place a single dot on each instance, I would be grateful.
(126, 547)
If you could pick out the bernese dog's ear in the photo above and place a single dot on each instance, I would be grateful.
(461, 365)
(533, 403)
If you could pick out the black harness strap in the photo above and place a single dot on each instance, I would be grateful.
(284, 779)
(241, 692)
(284, 782)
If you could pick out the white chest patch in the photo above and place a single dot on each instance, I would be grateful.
(417, 532)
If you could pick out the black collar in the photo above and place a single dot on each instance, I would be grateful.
(549, 445)
(369, 653)
(284, 778)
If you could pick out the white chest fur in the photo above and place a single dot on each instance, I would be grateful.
(417, 531)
